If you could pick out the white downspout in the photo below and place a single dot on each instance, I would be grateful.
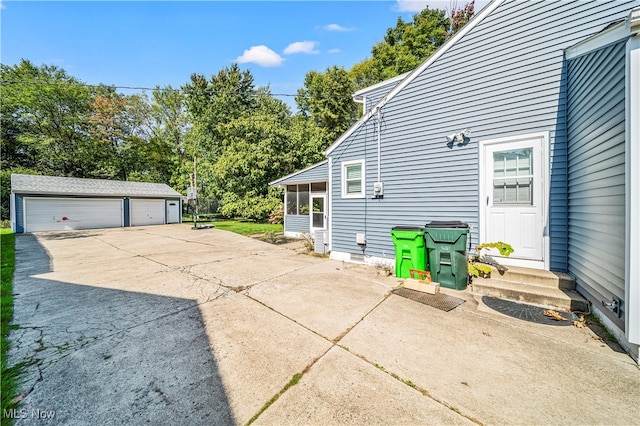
(363, 101)
(379, 137)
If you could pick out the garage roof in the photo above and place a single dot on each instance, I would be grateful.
(56, 185)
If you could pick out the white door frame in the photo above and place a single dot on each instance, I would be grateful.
(312, 195)
(483, 184)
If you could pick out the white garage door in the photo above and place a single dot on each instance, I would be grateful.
(147, 212)
(54, 214)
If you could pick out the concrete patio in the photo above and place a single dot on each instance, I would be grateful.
(166, 324)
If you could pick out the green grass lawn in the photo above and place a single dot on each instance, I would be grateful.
(243, 228)
(9, 375)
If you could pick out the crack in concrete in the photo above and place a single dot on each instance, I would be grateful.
(335, 343)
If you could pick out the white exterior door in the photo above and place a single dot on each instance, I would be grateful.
(173, 211)
(318, 213)
(146, 212)
(55, 214)
(513, 198)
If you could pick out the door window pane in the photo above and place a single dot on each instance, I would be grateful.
(318, 205)
(318, 220)
(512, 178)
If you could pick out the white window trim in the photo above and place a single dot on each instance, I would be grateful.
(343, 169)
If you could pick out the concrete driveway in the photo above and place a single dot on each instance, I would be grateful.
(166, 325)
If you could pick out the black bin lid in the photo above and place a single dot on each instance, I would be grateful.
(407, 228)
(447, 224)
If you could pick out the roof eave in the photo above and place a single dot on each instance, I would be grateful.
(290, 175)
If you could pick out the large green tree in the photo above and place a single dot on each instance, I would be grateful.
(170, 127)
(44, 123)
(327, 99)
(408, 44)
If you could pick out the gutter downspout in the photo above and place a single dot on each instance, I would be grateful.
(379, 137)
(363, 102)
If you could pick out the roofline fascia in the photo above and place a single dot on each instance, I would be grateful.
(87, 194)
(599, 40)
(633, 19)
(475, 20)
(276, 182)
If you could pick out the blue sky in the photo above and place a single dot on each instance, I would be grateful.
(149, 43)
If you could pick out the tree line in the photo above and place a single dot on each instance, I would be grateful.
(241, 136)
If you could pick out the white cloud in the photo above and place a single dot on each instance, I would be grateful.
(260, 55)
(335, 51)
(336, 27)
(308, 47)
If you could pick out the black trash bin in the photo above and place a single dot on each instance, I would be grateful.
(446, 243)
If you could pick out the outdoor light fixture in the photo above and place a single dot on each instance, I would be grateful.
(461, 137)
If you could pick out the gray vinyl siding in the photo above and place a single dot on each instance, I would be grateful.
(506, 77)
(596, 171)
(296, 223)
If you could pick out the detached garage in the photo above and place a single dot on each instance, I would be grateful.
(51, 203)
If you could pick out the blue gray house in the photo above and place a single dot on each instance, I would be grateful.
(525, 125)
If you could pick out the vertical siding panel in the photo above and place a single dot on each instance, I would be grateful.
(19, 213)
(596, 128)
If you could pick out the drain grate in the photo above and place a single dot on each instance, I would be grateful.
(440, 301)
(527, 312)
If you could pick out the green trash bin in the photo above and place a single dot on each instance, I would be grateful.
(409, 249)
(446, 244)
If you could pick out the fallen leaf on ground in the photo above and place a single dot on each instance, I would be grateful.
(581, 323)
(553, 315)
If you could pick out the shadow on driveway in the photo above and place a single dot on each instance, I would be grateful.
(102, 356)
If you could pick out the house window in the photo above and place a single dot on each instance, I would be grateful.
(297, 199)
(353, 179)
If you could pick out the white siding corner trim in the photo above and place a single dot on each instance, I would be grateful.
(330, 203)
(344, 167)
(632, 278)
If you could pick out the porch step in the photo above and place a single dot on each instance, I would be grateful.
(553, 289)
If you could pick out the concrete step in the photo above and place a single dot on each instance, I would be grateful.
(539, 277)
(532, 286)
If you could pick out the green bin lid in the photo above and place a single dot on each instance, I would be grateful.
(407, 228)
(447, 224)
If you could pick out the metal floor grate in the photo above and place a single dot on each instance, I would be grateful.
(440, 301)
(527, 312)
